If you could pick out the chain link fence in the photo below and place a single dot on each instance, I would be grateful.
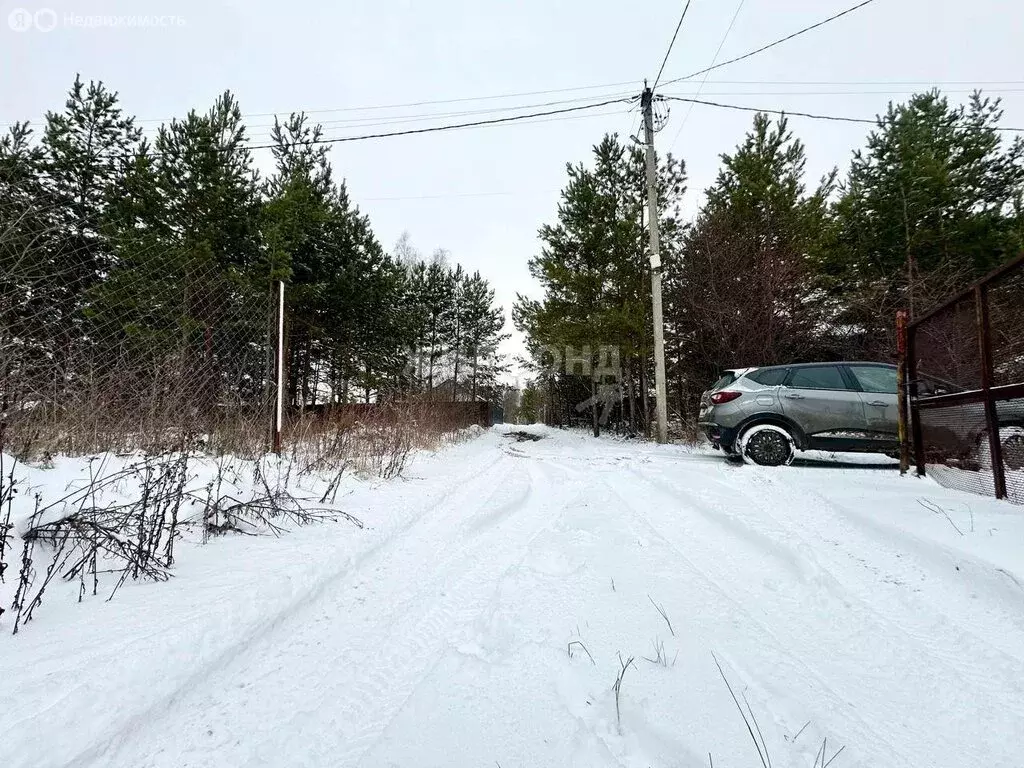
(965, 364)
(127, 346)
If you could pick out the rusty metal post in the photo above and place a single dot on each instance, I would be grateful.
(901, 389)
(915, 412)
(991, 416)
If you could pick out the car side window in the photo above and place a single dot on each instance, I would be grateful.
(875, 379)
(769, 377)
(817, 377)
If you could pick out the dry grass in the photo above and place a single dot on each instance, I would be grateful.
(122, 520)
(126, 514)
(372, 442)
(660, 658)
(661, 610)
(623, 666)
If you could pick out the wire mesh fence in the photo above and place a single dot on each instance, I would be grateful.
(965, 363)
(127, 346)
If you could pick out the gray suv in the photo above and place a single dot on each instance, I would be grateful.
(766, 414)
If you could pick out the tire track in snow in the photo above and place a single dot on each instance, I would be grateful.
(972, 673)
(783, 663)
(731, 617)
(932, 618)
(933, 558)
(811, 555)
(341, 679)
(964, 648)
(267, 627)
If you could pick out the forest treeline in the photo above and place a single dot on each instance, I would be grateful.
(775, 268)
(118, 248)
(164, 248)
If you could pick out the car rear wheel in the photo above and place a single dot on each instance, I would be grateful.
(767, 445)
(1012, 439)
(1013, 447)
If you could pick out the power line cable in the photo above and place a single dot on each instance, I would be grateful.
(375, 122)
(406, 118)
(721, 44)
(447, 196)
(780, 41)
(999, 93)
(671, 43)
(786, 112)
(460, 100)
(457, 126)
(935, 83)
(526, 120)
(408, 132)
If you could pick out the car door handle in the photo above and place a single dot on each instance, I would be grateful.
(794, 396)
(881, 403)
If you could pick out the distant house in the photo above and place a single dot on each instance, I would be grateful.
(463, 393)
(446, 392)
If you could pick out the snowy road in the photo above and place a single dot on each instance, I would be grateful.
(840, 607)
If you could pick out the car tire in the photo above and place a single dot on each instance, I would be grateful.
(767, 445)
(1013, 447)
(1012, 439)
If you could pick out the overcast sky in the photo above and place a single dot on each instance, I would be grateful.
(483, 193)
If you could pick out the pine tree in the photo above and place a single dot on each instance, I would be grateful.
(299, 222)
(932, 201)
(87, 148)
(210, 210)
(29, 321)
(438, 307)
(211, 189)
(482, 322)
(417, 316)
(593, 265)
(744, 292)
(456, 339)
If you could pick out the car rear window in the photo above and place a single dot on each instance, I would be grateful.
(724, 380)
(769, 377)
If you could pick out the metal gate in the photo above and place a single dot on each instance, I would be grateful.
(965, 374)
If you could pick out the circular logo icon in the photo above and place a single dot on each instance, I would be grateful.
(20, 20)
(45, 19)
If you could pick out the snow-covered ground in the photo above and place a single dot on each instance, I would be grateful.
(839, 607)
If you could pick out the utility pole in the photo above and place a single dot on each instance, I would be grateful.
(647, 104)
